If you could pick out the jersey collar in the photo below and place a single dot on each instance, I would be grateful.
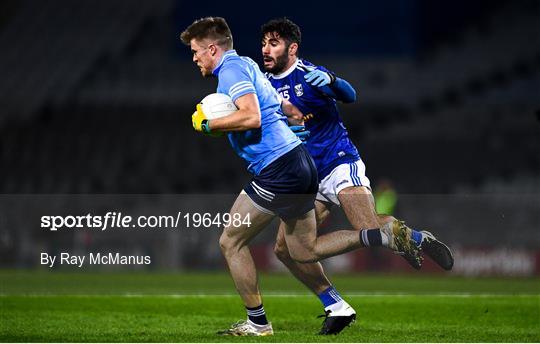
(287, 72)
(225, 55)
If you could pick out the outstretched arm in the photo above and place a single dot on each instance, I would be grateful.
(331, 85)
(341, 89)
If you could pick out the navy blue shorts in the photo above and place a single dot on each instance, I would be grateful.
(288, 186)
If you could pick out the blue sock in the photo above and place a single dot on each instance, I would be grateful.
(329, 296)
(417, 237)
(257, 315)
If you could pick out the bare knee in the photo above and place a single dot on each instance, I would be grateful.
(282, 251)
(285, 256)
(228, 244)
(223, 243)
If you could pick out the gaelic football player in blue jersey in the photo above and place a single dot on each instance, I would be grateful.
(284, 181)
(314, 90)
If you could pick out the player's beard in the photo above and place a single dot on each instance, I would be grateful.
(205, 72)
(280, 62)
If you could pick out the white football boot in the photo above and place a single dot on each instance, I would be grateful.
(247, 328)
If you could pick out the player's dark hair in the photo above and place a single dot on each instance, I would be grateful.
(214, 28)
(285, 28)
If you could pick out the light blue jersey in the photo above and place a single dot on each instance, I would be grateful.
(329, 142)
(238, 76)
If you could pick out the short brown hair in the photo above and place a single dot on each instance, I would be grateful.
(214, 28)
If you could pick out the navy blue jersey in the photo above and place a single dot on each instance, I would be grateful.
(329, 142)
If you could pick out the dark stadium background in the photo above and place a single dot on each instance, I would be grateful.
(96, 99)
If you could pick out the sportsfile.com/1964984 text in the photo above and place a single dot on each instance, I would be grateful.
(117, 220)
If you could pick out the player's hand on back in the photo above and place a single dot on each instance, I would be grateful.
(319, 78)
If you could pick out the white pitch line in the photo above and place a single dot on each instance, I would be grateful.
(276, 295)
(366, 295)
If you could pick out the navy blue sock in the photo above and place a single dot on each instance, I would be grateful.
(329, 296)
(257, 315)
(371, 237)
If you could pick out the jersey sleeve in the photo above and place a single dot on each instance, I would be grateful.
(236, 82)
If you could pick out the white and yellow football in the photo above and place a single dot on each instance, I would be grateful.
(217, 105)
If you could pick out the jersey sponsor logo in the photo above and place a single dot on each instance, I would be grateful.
(298, 90)
(286, 87)
(307, 117)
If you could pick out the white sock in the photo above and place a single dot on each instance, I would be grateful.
(257, 325)
(336, 306)
(384, 239)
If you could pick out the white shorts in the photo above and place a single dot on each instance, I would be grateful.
(341, 177)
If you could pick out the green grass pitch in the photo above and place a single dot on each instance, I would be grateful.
(43, 306)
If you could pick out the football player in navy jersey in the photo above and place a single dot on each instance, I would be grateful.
(314, 90)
